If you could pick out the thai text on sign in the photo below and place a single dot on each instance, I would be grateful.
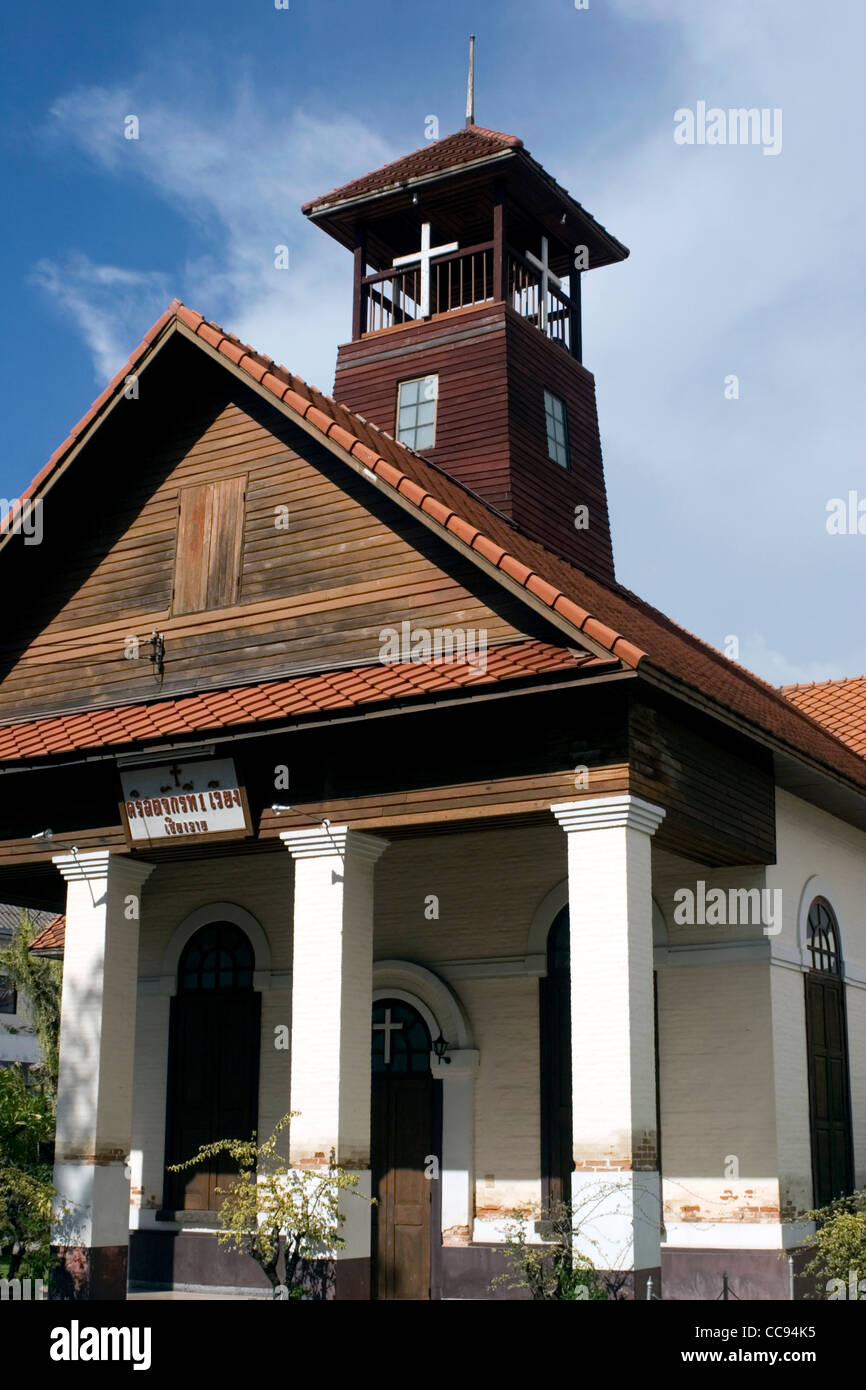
(183, 799)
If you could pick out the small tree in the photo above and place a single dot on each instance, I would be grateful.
(39, 982)
(275, 1212)
(26, 1129)
(839, 1242)
(552, 1269)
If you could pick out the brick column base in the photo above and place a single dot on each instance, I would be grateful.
(98, 1271)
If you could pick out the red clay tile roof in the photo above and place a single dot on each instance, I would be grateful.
(618, 621)
(463, 147)
(471, 145)
(213, 710)
(839, 705)
(52, 939)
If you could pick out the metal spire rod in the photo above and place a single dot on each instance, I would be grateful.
(470, 86)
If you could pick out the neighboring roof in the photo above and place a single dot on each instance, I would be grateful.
(608, 618)
(839, 705)
(465, 146)
(345, 689)
(52, 939)
(10, 916)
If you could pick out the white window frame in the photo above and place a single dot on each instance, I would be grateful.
(550, 417)
(425, 381)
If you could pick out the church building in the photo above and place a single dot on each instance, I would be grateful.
(366, 792)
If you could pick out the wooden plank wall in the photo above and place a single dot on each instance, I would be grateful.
(544, 494)
(490, 433)
(718, 790)
(313, 593)
(467, 351)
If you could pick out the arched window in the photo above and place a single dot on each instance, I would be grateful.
(823, 938)
(401, 1039)
(213, 1061)
(827, 1045)
(555, 1020)
(218, 956)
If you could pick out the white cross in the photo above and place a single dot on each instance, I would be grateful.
(425, 256)
(546, 276)
(388, 1028)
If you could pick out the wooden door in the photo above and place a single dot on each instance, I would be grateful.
(402, 1138)
(214, 1062)
(828, 1087)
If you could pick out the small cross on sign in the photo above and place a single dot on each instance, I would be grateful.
(547, 276)
(425, 256)
(388, 1028)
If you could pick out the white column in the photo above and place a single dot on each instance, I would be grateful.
(332, 1002)
(94, 1094)
(457, 1072)
(615, 1185)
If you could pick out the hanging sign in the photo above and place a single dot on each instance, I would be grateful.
(184, 801)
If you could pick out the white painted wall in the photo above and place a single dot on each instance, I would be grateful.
(716, 1078)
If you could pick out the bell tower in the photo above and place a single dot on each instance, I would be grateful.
(466, 329)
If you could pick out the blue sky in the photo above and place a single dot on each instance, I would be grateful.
(741, 263)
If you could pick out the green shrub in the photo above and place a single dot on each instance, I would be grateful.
(839, 1244)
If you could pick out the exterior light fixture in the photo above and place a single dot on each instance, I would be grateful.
(440, 1047)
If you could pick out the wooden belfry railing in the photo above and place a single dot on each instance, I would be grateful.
(466, 278)
(457, 281)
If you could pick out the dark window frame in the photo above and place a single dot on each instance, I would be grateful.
(412, 1028)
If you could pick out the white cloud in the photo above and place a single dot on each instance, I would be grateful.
(109, 305)
(740, 264)
(238, 180)
(759, 656)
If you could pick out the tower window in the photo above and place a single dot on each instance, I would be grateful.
(557, 429)
(416, 412)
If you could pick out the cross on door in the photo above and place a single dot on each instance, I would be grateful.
(388, 1028)
(547, 276)
(425, 256)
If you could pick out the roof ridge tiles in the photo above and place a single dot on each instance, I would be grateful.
(814, 685)
(456, 136)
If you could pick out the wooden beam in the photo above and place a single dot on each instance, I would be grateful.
(576, 328)
(500, 280)
(359, 308)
